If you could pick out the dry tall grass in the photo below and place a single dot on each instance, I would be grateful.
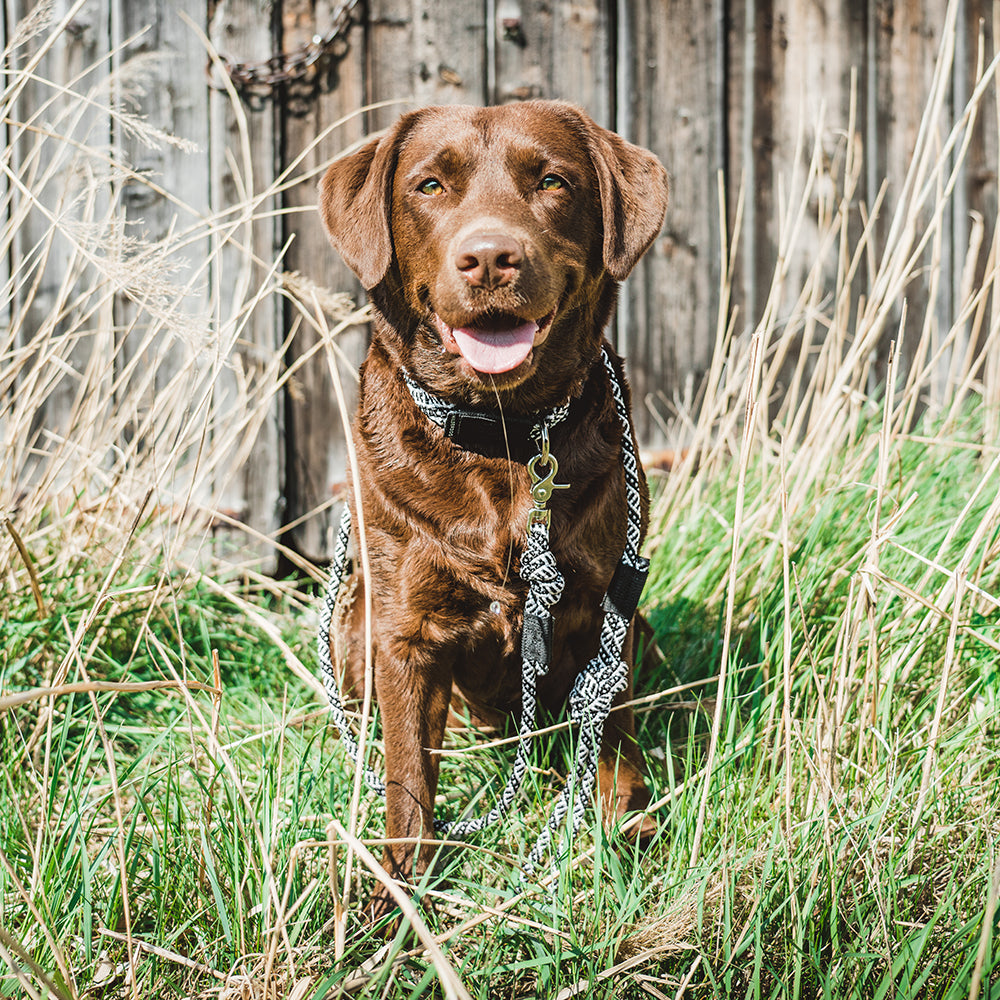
(801, 417)
(126, 416)
(124, 395)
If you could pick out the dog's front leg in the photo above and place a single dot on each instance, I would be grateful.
(620, 772)
(413, 697)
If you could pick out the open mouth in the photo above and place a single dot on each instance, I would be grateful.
(496, 342)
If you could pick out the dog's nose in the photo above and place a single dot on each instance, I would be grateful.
(489, 260)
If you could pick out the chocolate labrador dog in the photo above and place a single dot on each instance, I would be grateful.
(491, 242)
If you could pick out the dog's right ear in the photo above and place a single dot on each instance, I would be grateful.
(355, 196)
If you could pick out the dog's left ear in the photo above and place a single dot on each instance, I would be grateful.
(355, 195)
(633, 198)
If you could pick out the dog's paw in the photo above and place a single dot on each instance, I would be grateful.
(638, 828)
(384, 916)
(382, 913)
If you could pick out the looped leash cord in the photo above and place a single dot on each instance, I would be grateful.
(596, 686)
(545, 586)
(606, 674)
(337, 567)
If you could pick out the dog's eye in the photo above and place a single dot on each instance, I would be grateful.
(431, 187)
(551, 182)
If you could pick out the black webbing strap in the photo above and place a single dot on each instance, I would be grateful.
(625, 588)
(536, 639)
(489, 434)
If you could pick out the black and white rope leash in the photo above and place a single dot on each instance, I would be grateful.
(338, 567)
(597, 684)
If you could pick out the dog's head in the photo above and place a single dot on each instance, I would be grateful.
(492, 239)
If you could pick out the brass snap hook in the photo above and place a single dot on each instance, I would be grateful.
(542, 486)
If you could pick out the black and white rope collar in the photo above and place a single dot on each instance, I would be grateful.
(486, 431)
(601, 680)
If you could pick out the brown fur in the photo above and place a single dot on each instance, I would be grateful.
(445, 526)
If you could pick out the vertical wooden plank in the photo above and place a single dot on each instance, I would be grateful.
(789, 94)
(174, 99)
(807, 52)
(523, 51)
(742, 95)
(983, 152)
(410, 53)
(242, 164)
(671, 102)
(556, 50)
(980, 186)
(161, 61)
(421, 54)
(6, 290)
(315, 442)
(905, 39)
(753, 83)
(392, 70)
(449, 57)
(81, 50)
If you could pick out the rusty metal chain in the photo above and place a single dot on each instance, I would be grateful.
(299, 75)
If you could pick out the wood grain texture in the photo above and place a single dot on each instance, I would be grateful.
(978, 201)
(243, 166)
(420, 54)
(160, 63)
(6, 224)
(671, 102)
(906, 39)
(750, 89)
(556, 50)
(316, 450)
(808, 54)
(58, 172)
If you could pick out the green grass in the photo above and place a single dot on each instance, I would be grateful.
(843, 890)
(822, 709)
(813, 879)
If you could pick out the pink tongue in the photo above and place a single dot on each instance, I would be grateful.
(495, 351)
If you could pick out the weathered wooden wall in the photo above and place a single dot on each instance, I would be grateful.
(717, 88)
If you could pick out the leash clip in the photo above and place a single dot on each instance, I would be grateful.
(542, 487)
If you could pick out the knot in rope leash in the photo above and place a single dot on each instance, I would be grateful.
(593, 692)
(545, 587)
(540, 572)
(605, 676)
